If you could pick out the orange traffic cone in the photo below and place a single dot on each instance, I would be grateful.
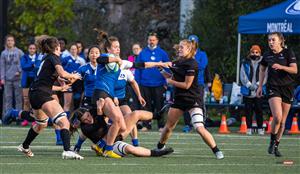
(294, 128)
(269, 125)
(243, 127)
(223, 127)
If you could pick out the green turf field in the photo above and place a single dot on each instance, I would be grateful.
(243, 154)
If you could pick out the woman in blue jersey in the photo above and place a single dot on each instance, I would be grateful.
(71, 64)
(104, 92)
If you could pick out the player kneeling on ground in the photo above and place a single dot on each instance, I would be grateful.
(95, 128)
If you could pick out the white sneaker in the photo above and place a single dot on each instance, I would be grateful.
(71, 155)
(219, 155)
(260, 132)
(249, 131)
(27, 152)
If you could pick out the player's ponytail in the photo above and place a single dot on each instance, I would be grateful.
(104, 41)
(46, 44)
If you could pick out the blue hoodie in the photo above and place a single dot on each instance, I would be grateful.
(151, 77)
(202, 60)
(29, 67)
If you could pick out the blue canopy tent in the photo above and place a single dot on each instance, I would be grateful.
(283, 17)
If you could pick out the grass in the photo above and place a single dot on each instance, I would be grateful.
(243, 154)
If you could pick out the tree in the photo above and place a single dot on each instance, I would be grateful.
(215, 22)
(29, 18)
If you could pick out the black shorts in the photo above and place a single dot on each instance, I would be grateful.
(286, 93)
(123, 101)
(86, 102)
(99, 94)
(37, 98)
(185, 104)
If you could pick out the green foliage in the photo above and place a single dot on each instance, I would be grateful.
(29, 18)
(215, 22)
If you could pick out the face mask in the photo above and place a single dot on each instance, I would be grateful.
(254, 57)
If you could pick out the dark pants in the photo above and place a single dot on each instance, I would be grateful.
(154, 102)
(1, 100)
(254, 104)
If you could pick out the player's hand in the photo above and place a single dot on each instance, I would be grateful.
(65, 87)
(116, 101)
(142, 101)
(276, 66)
(259, 92)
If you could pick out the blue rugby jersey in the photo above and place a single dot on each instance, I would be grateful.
(87, 73)
(71, 64)
(120, 87)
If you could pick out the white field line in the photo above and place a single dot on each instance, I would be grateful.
(175, 143)
(155, 165)
(177, 135)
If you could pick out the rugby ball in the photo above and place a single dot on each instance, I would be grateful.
(112, 67)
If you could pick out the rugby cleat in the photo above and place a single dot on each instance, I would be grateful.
(276, 152)
(27, 152)
(271, 148)
(97, 149)
(219, 155)
(111, 154)
(71, 155)
(165, 151)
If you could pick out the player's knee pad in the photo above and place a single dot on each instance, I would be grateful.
(197, 117)
(58, 117)
(42, 121)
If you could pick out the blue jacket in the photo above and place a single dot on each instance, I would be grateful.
(70, 65)
(297, 94)
(202, 60)
(29, 67)
(89, 78)
(151, 77)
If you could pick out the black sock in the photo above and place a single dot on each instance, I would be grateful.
(65, 137)
(160, 145)
(273, 138)
(30, 137)
(277, 143)
(215, 149)
(26, 116)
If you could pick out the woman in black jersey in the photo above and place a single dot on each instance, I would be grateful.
(95, 128)
(186, 96)
(44, 106)
(282, 66)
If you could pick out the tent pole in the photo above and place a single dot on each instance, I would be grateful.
(238, 59)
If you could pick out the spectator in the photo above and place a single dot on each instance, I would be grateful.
(28, 73)
(202, 61)
(63, 43)
(151, 82)
(80, 47)
(10, 74)
(249, 79)
(134, 103)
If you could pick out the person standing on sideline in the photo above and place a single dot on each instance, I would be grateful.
(11, 74)
(249, 79)
(151, 82)
(282, 68)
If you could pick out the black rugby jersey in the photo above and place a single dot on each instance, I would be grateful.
(46, 75)
(279, 77)
(186, 67)
(95, 131)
